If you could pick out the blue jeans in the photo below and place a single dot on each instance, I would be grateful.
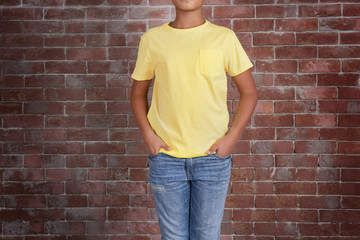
(189, 195)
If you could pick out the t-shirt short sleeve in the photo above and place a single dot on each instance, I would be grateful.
(144, 65)
(236, 59)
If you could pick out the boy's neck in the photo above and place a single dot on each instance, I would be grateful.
(188, 19)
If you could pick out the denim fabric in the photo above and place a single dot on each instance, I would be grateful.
(189, 195)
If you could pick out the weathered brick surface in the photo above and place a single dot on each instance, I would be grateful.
(73, 165)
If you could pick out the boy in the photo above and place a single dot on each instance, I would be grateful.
(186, 127)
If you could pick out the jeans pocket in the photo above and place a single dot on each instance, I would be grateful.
(151, 157)
(222, 158)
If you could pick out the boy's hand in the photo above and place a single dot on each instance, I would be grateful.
(154, 143)
(223, 146)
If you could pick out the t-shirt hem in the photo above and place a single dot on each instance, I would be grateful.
(141, 78)
(242, 70)
(182, 154)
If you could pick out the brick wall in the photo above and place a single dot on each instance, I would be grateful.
(73, 165)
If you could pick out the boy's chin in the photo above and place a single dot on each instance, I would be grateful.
(188, 5)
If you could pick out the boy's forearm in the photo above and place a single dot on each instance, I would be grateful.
(245, 109)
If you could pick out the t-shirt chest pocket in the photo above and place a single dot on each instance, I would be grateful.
(211, 62)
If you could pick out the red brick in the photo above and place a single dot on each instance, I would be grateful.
(252, 188)
(44, 214)
(124, 214)
(319, 120)
(57, 227)
(85, 108)
(285, 66)
(106, 40)
(320, 10)
(43, 27)
(11, 81)
(105, 148)
(22, 228)
(44, 161)
(296, 25)
(10, 108)
(43, 107)
(316, 93)
(86, 214)
(61, 201)
(242, 174)
(350, 202)
(11, 135)
(122, 53)
(88, 81)
(280, 174)
(253, 25)
(43, 2)
(11, 215)
(342, 24)
(11, 54)
(315, 147)
(318, 229)
(272, 147)
(339, 52)
(349, 93)
(234, 12)
(146, 13)
(126, 188)
(319, 66)
(266, 160)
(339, 161)
(63, 94)
(108, 67)
(11, 188)
(287, 215)
(144, 228)
(339, 106)
(27, 201)
(107, 13)
(295, 188)
(349, 147)
(23, 94)
(11, 2)
(24, 121)
(125, 135)
(84, 161)
(350, 175)
(279, 120)
(275, 229)
(259, 215)
(274, 38)
(126, 26)
(66, 175)
(323, 174)
(44, 81)
(342, 79)
(65, 67)
(63, 148)
(350, 229)
(87, 134)
(258, 134)
(21, 40)
(64, 14)
(351, 65)
(319, 201)
(45, 54)
(276, 201)
(23, 148)
(109, 121)
(128, 161)
(297, 133)
(86, 54)
(276, 93)
(64, 40)
(264, 107)
(260, 52)
(23, 67)
(317, 38)
(85, 2)
(43, 188)
(108, 174)
(110, 201)
(93, 227)
(339, 134)
(295, 79)
(23, 175)
(350, 37)
(274, 11)
(119, 107)
(10, 27)
(351, 10)
(65, 121)
(292, 52)
(295, 106)
(349, 120)
(85, 188)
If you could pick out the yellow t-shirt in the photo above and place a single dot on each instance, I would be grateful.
(188, 109)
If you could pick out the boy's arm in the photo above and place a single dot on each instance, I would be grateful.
(139, 105)
(248, 99)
